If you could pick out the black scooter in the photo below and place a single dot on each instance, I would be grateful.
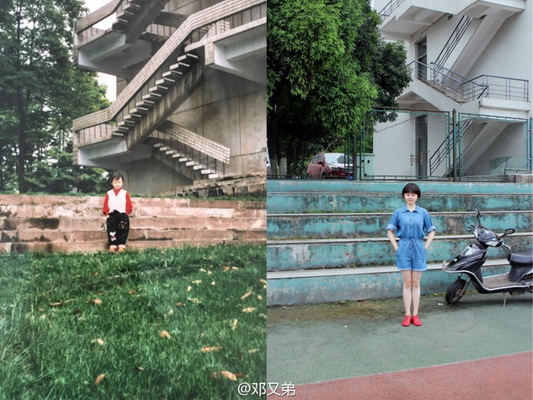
(518, 280)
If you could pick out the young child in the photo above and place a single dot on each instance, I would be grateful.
(411, 223)
(117, 207)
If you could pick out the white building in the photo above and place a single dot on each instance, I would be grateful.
(471, 57)
(191, 91)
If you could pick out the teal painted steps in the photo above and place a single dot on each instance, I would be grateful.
(307, 196)
(350, 225)
(283, 203)
(329, 285)
(327, 239)
(284, 255)
(335, 186)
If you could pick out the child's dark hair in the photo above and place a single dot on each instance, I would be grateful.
(412, 188)
(116, 177)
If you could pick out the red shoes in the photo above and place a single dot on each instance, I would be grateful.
(415, 320)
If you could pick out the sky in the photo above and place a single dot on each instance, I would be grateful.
(104, 79)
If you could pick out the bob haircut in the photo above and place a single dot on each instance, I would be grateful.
(412, 188)
(117, 177)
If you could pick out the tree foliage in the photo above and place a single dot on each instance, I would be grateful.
(327, 67)
(41, 92)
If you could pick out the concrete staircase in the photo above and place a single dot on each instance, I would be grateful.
(327, 239)
(72, 223)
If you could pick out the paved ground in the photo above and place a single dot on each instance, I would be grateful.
(319, 343)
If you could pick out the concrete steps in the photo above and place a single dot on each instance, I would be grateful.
(349, 225)
(71, 223)
(327, 240)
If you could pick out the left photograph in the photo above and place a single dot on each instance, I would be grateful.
(132, 199)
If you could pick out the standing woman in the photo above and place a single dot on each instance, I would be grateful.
(411, 223)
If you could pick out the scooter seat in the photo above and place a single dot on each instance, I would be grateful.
(522, 259)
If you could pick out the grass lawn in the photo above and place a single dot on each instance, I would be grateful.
(158, 324)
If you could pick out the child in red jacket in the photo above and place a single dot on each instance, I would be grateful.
(117, 207)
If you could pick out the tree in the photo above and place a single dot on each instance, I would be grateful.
(41, 91)
(327, 67)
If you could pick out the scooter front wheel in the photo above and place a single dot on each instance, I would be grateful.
(456, 291)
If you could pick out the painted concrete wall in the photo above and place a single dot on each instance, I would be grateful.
(510, 143)
(149, 176)
(231, 111)
(224, 108)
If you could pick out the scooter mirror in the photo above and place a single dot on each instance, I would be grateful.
(478, 213)
(509, 231)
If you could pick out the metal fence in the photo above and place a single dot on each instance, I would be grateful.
(399, 144)
(492, 147)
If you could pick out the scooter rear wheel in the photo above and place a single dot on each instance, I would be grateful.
(456, 291)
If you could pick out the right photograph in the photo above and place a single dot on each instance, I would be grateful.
(399, 199)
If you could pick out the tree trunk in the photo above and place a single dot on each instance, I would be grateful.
(22, 144)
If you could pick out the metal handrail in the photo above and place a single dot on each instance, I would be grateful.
(453, 40)
(389, 8)
(504, 87)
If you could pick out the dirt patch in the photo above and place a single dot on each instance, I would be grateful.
(44, 223)
(346, 310)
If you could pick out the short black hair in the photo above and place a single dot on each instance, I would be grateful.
(412, 188)
(116, 177)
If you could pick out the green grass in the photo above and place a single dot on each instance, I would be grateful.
(55, 341)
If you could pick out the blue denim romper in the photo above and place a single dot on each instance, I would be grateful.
(411, 228)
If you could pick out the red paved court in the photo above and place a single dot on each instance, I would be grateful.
(508, 377)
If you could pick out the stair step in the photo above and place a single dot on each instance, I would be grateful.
(180, 66)
(188, 56)
(355, 284)
(200, 220)
(93, 247)
(126, 14)
(145, 103)
(133, 117)
(139, 110)
(166, 82)
(334, 253)
(152, 96)
(72, 223)
(350, 225)
(174, 74)
(158, 89)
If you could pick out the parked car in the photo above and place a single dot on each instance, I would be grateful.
(329, 165)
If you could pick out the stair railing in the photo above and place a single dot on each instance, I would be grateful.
(389, 8)
(453, 40)
(505, 88)
(84, 27)
(445, 148)
(228, 14)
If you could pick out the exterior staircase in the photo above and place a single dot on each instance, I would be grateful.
(76, 224)
(139, 124)
(327, 239)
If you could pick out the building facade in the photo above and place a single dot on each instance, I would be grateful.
(191, 91)
(473, 61)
